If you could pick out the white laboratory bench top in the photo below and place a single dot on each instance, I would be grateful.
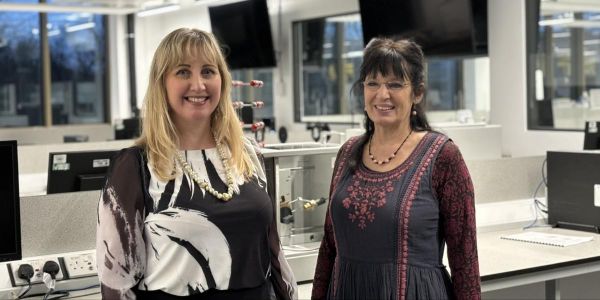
(502, 263)
(507, 263)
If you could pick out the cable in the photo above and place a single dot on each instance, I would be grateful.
(25, 272)
(52, 294)
(544, 173)
(55, 293)
(48, 293)
(24, 291)
(78, 296)
(50, 269)
(537, 204)
(80, 289)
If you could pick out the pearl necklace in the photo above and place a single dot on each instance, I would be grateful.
(387, 160)
(205, 185)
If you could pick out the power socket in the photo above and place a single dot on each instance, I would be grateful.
(80, 265)
(38, 265)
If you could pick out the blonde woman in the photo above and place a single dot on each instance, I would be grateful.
(185, 212)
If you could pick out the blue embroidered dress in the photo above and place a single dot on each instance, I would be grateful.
(385, 231)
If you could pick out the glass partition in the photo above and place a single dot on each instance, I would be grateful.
(563, 64)
(327, 56)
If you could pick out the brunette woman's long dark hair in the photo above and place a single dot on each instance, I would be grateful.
(403, 59)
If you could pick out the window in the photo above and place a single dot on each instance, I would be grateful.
(20, 86)
(564, 68)
(78, 89)
(327, 58)
(78, 67)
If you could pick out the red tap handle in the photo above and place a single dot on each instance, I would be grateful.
(257, 126)
(256, 83)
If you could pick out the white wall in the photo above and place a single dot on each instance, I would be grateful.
(118, 68)
(506, 19)
(506, 34)
(150, 30)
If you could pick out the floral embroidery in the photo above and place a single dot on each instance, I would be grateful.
(363, 198)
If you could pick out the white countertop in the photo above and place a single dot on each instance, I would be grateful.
(499, 257)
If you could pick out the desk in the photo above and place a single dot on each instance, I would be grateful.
(505, 263)
(502, 263)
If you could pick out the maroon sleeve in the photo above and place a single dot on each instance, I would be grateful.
(325, 262)
(328, 250)
(454, 189)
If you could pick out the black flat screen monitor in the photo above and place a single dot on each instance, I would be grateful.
(130, 130)
(440, 27)
(574, 190)
(591, 138)
(10, 221)
(78, 170)
(244, 31)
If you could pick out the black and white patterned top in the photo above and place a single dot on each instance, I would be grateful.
(177, 238)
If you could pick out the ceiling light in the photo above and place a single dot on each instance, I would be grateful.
(52, 8)
(553, 22)
(158, 10)
(80, 27)
(219, 2)
(54, 32)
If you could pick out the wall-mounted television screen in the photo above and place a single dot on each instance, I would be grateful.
(78, 170)
(10, 221)
(244, 31)
(441, 27)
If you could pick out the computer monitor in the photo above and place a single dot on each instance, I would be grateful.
(78, 170)
(129, 130)
(10, 221)
(591, 138)
(574, 190)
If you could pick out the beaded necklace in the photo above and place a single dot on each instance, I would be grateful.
(387, 160)
(205, 185)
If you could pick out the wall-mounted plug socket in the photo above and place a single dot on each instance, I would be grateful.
(38, 272)
(80, 265)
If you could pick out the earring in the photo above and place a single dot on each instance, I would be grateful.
(414, 112)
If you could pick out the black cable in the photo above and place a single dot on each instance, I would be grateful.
(78, 296)
(80, 289)
(535, 208)
(537, 204)
(544, 178)
(23, 293)
(50, 291)
(65, 293)
(25, 272)
(60, 294)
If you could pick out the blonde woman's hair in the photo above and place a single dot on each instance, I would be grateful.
(159, 137)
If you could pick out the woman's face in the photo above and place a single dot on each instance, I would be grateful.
(388, 100)
(193, 91)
